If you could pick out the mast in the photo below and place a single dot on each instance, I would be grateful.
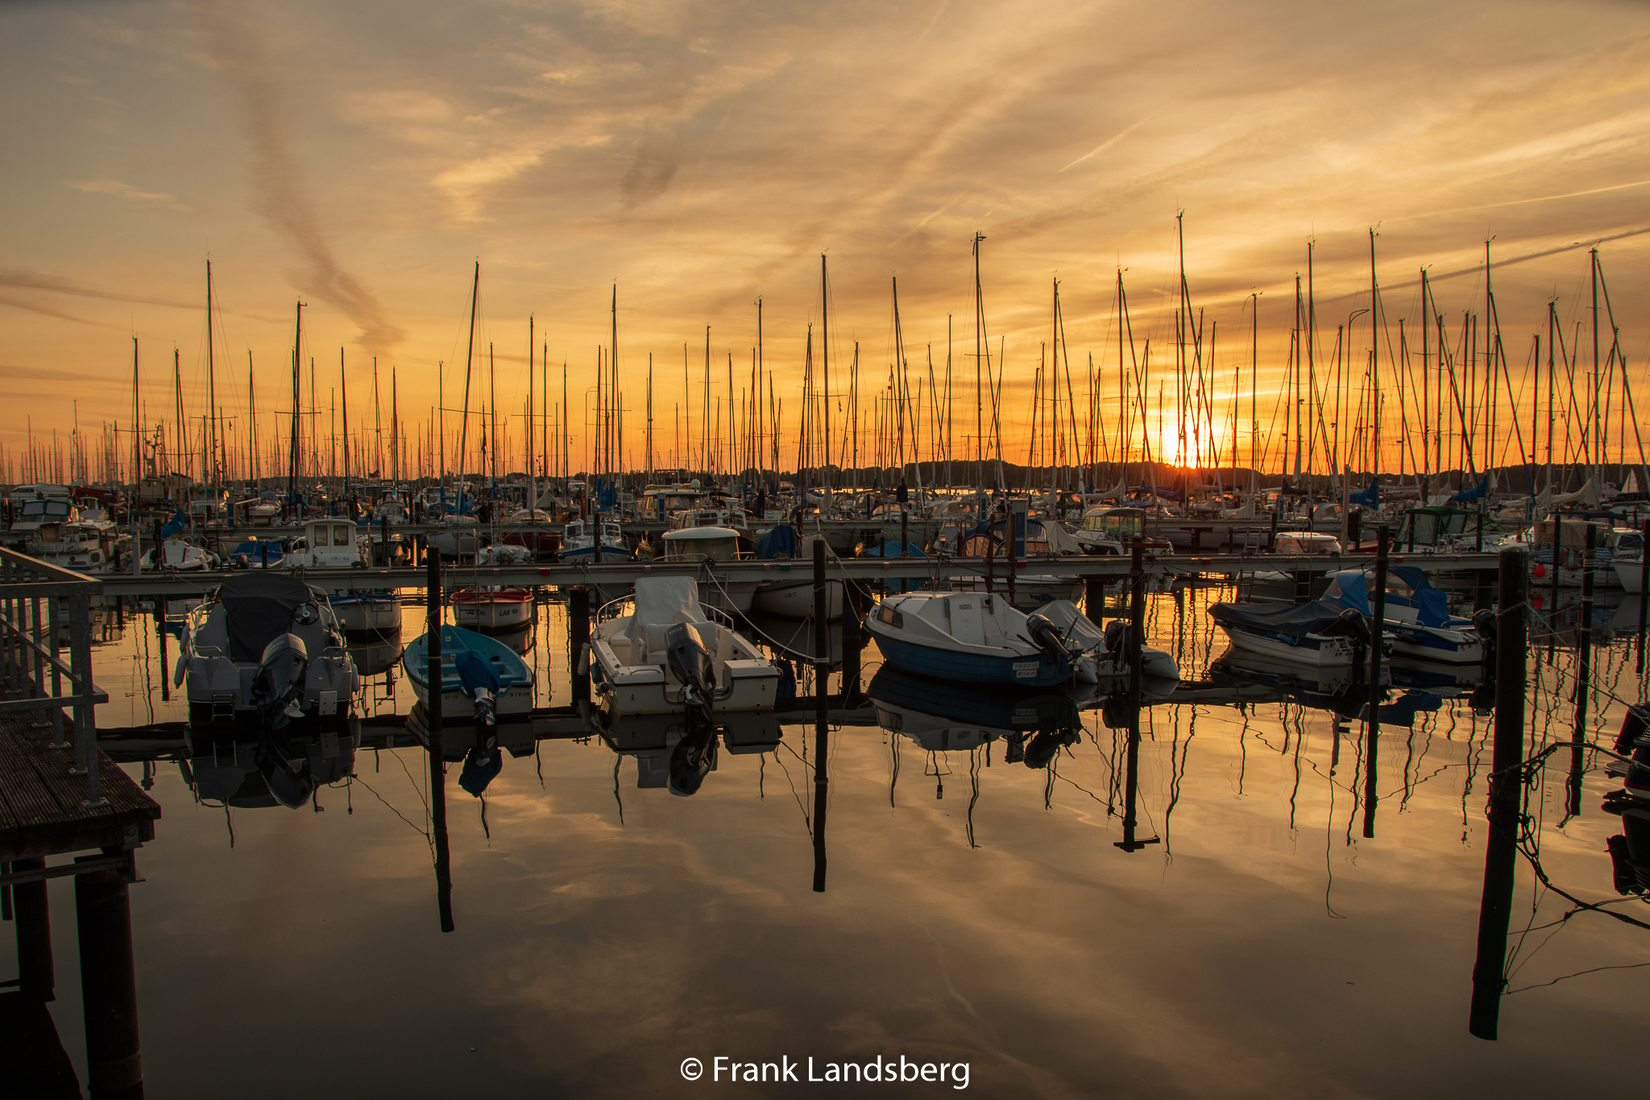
(469, 357)
(825, 365)
(211, 457)
(292, 458)
(1374, 358)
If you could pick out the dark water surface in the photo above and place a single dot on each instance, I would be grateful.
(976, 912)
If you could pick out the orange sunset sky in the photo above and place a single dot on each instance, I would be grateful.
(698, 156)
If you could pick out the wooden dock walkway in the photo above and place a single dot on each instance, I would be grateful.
(66, 811)
(43, 810)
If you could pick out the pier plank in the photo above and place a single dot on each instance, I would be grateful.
(42, 804)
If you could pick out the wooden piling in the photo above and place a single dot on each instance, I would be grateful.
(438, 773)
(1377, 631)
(32, 914)
(1644, 589)
(1584, 679)
(822, 665)
(1506, 782)
(108, 983)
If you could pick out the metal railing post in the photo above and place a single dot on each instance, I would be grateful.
(80, 674)
(54, 617)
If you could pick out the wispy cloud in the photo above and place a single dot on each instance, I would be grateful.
(283, 199)
(120, 189)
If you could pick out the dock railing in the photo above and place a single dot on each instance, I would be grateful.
(40, 603)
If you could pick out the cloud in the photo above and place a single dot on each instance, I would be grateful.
(123, 190)
(20, 279)
(282, 198)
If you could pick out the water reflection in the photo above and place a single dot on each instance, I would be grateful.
(277, 768)
(1242, 903)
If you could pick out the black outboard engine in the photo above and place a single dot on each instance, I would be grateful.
(1117, 638)
(1634, 723)
(1046, 635)
(278, 687)
(287, 773)
(694, 756)
(690, 661)
(1044, 745)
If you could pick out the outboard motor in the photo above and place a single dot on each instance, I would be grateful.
(1044, 745)
(278, 686)
(1046, 635)
(1117, 638)
(1633, 724)
(694, 756)
(690, 661)
(1483, 621)
(480, 683)
(288, 775)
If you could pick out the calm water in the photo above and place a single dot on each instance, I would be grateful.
(977, 911)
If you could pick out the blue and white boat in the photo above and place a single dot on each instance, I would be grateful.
(980, 638)
(482, 680)
(1415, 616)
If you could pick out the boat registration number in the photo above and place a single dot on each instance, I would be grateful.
(1025, 670)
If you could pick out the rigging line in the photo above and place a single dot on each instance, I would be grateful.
(419, 829)
(1577, 974)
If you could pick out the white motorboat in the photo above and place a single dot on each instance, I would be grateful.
(660, 650)
(265, 647)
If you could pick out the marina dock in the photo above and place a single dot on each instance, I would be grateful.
(65, 811)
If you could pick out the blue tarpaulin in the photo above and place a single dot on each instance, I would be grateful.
(1368, 498)
(172, 526)
(1477, 492)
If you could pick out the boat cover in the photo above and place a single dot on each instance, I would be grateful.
(258, 608)
(1307, 618)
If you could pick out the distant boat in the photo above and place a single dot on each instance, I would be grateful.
(1312, 634)
(793, 597)
(482, 679)
(339, 544)
(1416, 622)
(979, 638)
(493, 609)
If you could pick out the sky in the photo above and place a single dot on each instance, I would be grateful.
(690, 158)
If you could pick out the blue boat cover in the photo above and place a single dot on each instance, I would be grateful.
(781, 542)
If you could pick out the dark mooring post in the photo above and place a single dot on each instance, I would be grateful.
(1094, 598)
(1137, 606)
(1552, 608)
(822, 668)
(1272, 532)
(35, 977)
(1377, 620)
(1584, 679)
(1644, 589)
(108, 984)
(1506, 782)
(438, 775)
(578, 626)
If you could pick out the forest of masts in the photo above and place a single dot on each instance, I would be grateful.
(1444, 388)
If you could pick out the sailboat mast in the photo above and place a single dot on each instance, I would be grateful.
(1374, 359)
(825, 366)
